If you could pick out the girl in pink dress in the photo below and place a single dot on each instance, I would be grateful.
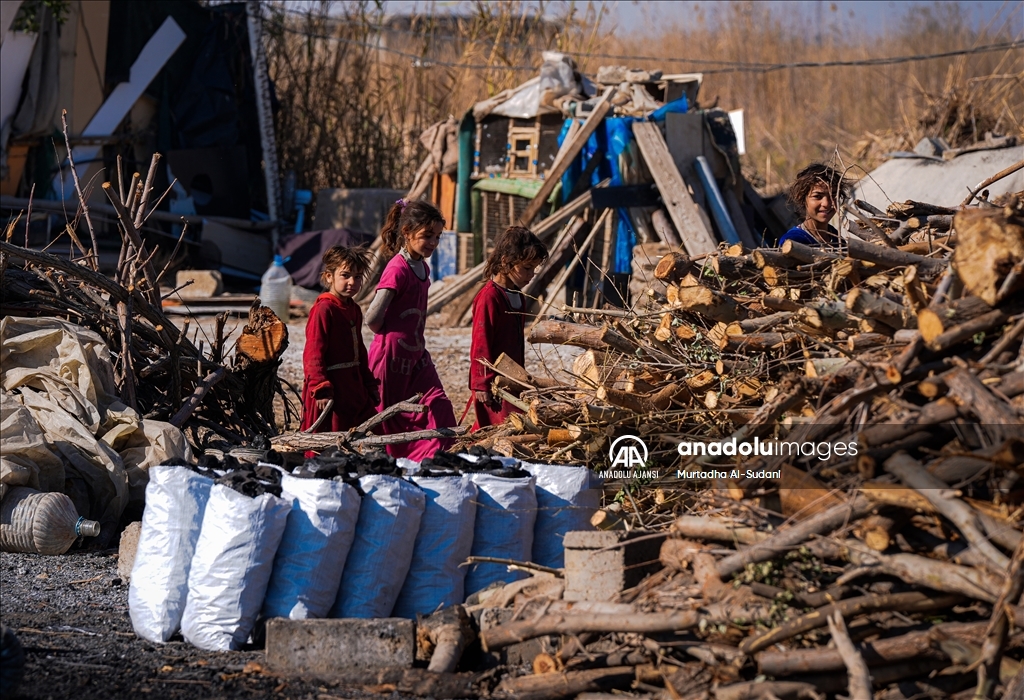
(398, 354)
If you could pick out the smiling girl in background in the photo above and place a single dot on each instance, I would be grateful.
(334, 361)
(398, 313)
(499, 310)
(815, 192)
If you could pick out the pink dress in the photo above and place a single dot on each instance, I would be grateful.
(400, 361)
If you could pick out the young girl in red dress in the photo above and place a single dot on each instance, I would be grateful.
(499, 312)
(334, 360)
(397, 314)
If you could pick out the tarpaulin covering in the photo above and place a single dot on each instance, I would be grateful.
(64, 427)
(306, 251)
(613, 143)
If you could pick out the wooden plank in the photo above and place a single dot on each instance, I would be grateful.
(455, 288)
(553, 176)
(568, 243)
(697, 238)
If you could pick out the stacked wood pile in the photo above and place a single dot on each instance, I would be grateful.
(213, 391)
(907, 555)
(733, 343)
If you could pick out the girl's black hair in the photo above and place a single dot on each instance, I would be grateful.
(404, 220)
(810, 176)
(516, 245)
(357, 260)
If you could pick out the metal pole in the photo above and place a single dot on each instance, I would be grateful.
(266, 118)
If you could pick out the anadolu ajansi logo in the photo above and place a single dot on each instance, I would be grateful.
(628, 451)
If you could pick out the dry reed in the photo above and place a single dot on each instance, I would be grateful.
(352, 108)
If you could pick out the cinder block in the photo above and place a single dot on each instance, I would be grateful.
(126, 550)
(323, 648)
(205, 283)
(595, 572)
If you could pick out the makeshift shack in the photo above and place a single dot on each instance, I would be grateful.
(633, 149)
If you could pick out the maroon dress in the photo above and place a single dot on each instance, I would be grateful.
(400, 361)
(335, 365)
(497, 328)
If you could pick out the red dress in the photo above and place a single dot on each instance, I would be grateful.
(497, 328)
(335, 365)
(399, 359)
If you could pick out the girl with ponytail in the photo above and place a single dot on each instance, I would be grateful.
(397, 315)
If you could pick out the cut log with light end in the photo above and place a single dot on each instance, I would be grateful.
(876, 307)
(684, 332)
(608, 518)
(709, 303)
(662, 399)
(936, 320)
(764, 257)
(579, 335)
(673, 267)
(623, 399)
(264, 338)
(802, 496)
(990, 242)
(756, 342)
(702, 380)
(781, 277)
(876, 531)
(664, 331)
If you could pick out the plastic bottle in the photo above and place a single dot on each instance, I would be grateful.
(276, 291)
(41, 523)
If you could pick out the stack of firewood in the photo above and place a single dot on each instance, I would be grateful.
(907, 551)
(213, 391)
(734, 343)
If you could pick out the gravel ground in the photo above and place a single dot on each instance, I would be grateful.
(71, 616)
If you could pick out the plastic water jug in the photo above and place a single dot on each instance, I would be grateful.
(276, 291)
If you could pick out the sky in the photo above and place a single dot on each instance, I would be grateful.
(871, 16)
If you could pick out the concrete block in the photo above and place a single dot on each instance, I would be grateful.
(126, 550)
(205, 283)
(323, 648)
(594, 572)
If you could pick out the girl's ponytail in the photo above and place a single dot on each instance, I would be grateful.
(405, 219)
(390, 236)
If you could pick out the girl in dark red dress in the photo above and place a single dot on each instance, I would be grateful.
(499, 312)
(334, 360)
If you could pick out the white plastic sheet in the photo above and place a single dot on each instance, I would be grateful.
(389, 518)
(311, 556)
(231, 568)
(445, 539)
(176, 499)
(566, 499)
(505, 515)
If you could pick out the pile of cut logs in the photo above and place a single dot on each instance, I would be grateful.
(214, 392)
(894, 572)
(735, 344)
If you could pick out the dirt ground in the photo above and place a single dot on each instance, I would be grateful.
(449, 348)
(71, 612)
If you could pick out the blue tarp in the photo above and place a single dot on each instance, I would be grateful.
(609, 142)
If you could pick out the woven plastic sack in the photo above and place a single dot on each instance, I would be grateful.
(231, 568)
(445, 539)
(505, 515)
(176, 500)
(566, 499)
(311, 556)
(389, 518)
